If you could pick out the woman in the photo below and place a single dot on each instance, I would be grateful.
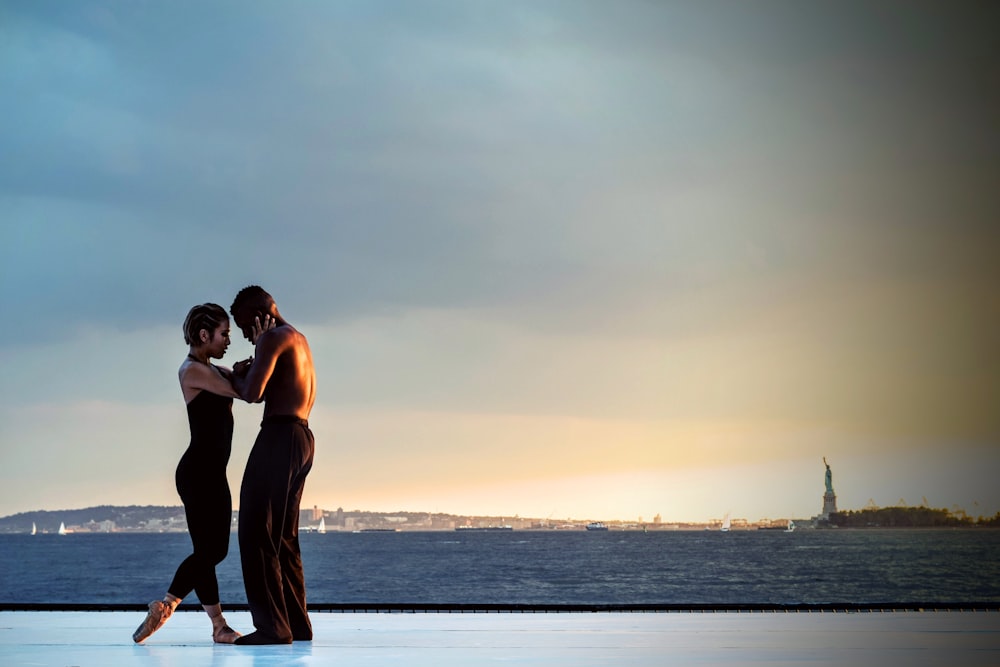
(201, 473)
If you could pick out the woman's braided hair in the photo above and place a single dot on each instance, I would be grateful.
(207, 316)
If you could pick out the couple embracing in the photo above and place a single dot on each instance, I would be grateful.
(281, 375)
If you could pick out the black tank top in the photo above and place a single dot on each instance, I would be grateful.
(211, 419)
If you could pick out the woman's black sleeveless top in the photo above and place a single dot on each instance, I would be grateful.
(211, 419)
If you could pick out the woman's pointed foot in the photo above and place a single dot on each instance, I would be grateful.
(225, 635)
(159, 612)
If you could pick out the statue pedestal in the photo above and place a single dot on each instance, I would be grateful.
(829, 504)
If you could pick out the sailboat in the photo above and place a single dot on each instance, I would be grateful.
(34, 529)
(725, 523)
(322, 525)
(791, 526)
(62, 528)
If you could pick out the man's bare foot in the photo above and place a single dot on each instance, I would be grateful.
(257, 639)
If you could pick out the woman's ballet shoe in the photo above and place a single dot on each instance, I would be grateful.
(159, 612)
(225, 635)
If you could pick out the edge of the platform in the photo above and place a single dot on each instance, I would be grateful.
(406, 607)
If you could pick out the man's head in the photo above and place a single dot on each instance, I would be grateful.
(251, 302)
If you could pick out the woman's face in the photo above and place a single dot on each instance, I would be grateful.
(219, 341)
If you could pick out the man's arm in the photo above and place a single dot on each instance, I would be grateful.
(251, 385)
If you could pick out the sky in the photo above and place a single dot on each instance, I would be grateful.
(554, 259)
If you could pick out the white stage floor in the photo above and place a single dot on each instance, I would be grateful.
(99, 639)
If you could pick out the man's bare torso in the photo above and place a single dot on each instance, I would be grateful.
(291, 389)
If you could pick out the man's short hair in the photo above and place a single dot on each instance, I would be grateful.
(251, 299)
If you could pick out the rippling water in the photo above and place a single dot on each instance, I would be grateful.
(524, 567)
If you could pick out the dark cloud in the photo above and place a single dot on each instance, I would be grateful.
(560, 159)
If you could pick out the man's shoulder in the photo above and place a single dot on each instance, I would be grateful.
(291, 332)
(280, 332)
(284, 336)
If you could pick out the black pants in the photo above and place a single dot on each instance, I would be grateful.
(269, 528)
(208, 507)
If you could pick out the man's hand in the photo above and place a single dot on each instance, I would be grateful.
(260, 327)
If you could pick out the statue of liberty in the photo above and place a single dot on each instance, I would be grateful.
(829, 477)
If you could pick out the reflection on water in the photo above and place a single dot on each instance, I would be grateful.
(525, 567)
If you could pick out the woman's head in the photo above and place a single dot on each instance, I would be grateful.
(208, 317)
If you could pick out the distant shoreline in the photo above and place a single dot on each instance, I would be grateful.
(71, 533)
(155, 519)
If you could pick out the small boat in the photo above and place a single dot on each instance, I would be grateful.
(34, 529)
(62, 528)
(322, 525)
(725, 523)
(791, 526)
(596, 525)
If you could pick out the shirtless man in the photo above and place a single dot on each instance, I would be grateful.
(282, 376)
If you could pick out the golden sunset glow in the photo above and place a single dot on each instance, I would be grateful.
(553, 259)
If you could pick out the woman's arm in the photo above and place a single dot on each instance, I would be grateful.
(197, 377)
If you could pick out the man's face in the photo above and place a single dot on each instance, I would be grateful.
(245, 323)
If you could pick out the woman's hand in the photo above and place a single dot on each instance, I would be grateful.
(240, 368)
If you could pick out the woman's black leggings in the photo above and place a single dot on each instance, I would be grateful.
(208, 506)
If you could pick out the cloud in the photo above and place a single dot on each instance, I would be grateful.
(388, 157)
(639, 218)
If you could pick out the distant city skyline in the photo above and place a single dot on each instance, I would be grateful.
(159, 519)
(553, 258)
(977, 510)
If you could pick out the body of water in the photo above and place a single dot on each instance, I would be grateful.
(524, 567)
